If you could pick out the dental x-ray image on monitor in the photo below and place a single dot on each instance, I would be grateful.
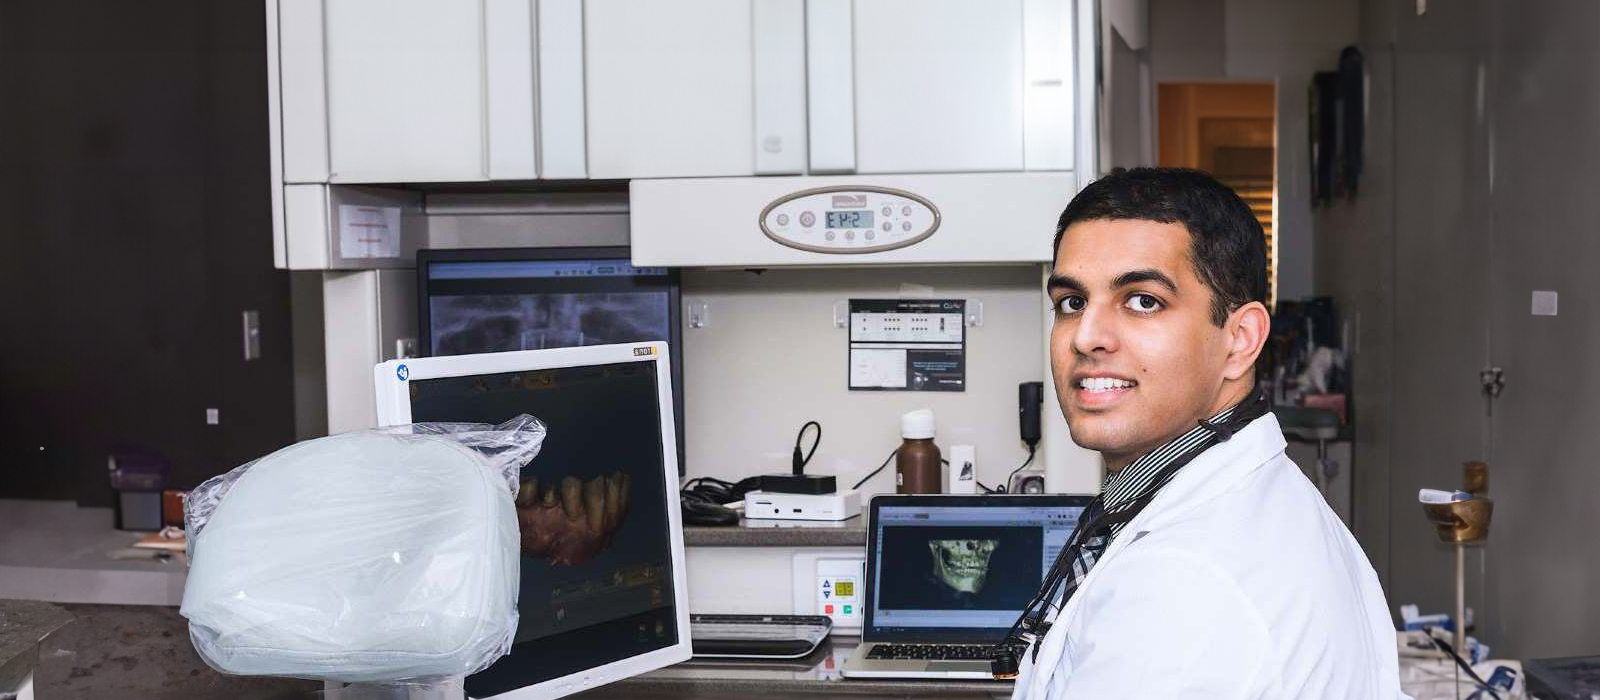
(948, 568)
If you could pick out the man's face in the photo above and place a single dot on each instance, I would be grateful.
(1135, 356)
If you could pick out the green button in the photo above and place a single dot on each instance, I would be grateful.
(847, 609)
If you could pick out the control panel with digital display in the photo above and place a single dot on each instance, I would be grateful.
(850, 220)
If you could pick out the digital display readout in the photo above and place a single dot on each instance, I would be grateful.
(844, 589)
(849, 219)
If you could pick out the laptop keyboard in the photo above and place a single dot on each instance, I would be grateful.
(931, 652)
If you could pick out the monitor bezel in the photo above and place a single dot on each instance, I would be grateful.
(393, 396)
(870, 632)
(427, 256)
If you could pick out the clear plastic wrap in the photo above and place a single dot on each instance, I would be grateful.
(381, 555)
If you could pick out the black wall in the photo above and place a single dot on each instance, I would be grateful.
(134, 230)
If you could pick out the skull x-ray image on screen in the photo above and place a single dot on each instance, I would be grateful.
(963, 565)
(960, 568)
(501, 322)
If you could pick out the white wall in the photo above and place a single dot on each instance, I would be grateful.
(772, 359)
(1283, 41)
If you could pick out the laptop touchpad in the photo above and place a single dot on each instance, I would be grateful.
(954, 665)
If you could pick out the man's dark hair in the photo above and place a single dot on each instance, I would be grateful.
(1227, 245)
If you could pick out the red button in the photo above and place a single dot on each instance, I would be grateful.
(827, 609)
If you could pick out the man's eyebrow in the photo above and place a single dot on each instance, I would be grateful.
(1147, 275)
(1059, 281)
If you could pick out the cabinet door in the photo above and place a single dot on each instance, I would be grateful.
(938, 85)
(405, 90)
(669, 88)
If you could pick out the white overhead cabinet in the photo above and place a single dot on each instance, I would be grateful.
(669, 90)
(383, 92)
(410, 91)
(941, 86)
(416, 91)
(938, 85)
(405, 90)
(718, 88)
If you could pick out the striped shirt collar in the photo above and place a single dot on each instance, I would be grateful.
(1127, 483)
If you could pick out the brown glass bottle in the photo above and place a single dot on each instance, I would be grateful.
(916, 464)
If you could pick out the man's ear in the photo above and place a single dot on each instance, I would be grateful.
(1247, 328)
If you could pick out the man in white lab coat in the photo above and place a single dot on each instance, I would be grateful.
(1209, 567)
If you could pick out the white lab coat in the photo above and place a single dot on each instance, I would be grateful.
(1236, 582)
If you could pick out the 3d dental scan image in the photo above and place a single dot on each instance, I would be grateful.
(570, 522)
(963, 565)
(958, 568)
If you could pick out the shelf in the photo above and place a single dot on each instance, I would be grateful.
(779, 533)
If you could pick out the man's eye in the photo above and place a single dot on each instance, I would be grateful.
(1070, 304)
(1143, 303)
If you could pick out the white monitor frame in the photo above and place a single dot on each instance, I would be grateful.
(394, 408)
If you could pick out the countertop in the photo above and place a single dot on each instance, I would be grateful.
(23, 624)
(816, 675)
(780, 533)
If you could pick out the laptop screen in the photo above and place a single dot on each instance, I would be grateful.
(961, 568)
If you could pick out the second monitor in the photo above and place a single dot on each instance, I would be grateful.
(483, 300)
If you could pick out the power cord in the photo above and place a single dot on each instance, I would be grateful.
(1031, 450)
(1005, 485)
(1461, 664)
(874, 472)
(703, 497)
(797, 462)
(714, 491)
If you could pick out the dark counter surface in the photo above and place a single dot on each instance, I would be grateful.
(780, 533)
(23, 624)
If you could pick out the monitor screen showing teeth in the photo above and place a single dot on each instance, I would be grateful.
(1104, 384)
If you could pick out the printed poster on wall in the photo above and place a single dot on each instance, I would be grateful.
(908, 345)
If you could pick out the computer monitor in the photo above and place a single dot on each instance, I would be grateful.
(603, 593)
(930, 558)
(480, 300)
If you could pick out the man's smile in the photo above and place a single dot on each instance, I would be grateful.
(1100, 390)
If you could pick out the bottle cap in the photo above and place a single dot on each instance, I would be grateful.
(917, 425)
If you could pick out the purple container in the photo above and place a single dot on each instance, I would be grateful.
(138, 479)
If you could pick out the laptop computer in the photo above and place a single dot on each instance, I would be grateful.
(948, 575)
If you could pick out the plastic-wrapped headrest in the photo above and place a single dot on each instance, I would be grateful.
(373, 556)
